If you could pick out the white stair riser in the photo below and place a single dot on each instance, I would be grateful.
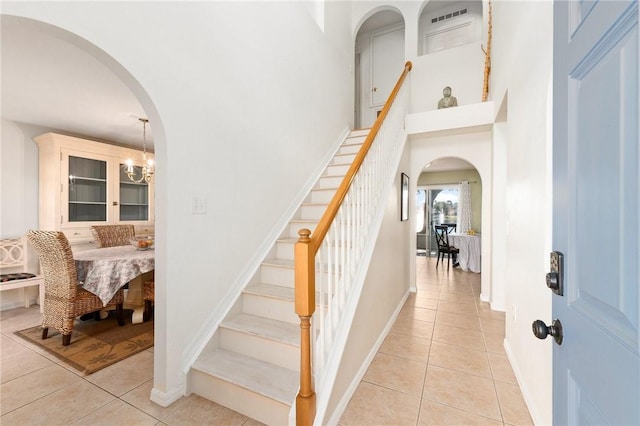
(357, 139)
(359, 133)
(269, 307)
(344, 159)
(314, 211)
(294, 227)
(276, 275)
(349, 149)
(329, 181)
(284, 250)
(322, 196)
(337, 170)
(239, 399)
(274, 352)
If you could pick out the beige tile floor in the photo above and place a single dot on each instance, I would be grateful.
(442, 364)
(38, 389)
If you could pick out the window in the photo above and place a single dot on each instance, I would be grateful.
(435, 205)
(445, 206)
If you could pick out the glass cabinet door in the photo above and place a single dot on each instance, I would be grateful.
(87, 190)
(134, 197)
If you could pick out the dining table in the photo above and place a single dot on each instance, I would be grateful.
(103, 271)
(469, 246)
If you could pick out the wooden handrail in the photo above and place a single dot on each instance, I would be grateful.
(327, 218)
(304, 264)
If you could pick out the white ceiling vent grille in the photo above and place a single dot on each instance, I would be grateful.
(449, 15)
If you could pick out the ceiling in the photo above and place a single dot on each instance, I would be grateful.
(49, 82)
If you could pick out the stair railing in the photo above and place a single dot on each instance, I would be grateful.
(332, 255)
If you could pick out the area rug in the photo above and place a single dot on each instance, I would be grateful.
(95, 344)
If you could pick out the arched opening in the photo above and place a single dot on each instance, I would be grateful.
(56, 81)
(379, 58)
(439, 200)
(473, 148)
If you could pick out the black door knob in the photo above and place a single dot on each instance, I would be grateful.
(541, 330)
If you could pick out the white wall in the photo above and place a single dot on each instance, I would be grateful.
(499, 253)
(521, 66)
(18, 179)
(18, 195)
(460, 68)
(244, 98)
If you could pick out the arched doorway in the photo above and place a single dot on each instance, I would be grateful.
(438, 200)
(57, 81)
(379, 58)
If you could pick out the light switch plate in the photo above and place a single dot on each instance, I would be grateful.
(198, 205)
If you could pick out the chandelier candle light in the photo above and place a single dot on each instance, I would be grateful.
(147, 168)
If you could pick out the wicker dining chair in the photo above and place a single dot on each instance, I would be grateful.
(148, 294)
(64, 299)
(113, 235)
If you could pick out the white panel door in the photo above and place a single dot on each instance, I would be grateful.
(596, 219)
(387, 63)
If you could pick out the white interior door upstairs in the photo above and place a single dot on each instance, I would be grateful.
(387, 61)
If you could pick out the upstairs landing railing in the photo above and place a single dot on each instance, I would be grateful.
(327, 262)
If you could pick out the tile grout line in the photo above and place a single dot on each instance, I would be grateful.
(485, 351)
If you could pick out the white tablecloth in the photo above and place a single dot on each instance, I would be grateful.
(469, 246)
(103, 271)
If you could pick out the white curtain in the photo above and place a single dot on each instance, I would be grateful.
(463, 223)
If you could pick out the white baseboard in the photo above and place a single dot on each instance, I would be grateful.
(164, 399)
(524, 389)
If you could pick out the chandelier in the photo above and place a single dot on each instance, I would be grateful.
(147, 167)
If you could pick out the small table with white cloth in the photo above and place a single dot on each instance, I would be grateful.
(469, 246)
(104, 271)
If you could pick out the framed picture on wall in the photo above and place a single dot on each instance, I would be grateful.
(404, 197)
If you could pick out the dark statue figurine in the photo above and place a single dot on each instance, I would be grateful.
(448, 100)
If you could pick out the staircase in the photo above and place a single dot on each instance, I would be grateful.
(251, 365)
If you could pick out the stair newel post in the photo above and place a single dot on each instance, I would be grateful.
(305, 300)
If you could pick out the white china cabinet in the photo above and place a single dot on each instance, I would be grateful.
(83, 183)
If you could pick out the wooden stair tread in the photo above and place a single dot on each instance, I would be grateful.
(271, 290)
(257, 376)
(264, 327)
(283, 263)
